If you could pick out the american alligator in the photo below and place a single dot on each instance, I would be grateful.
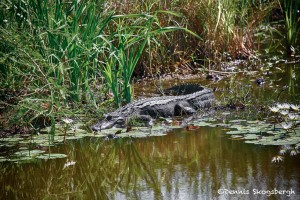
(193, 98)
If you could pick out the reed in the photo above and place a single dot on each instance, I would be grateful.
(292, 21)
(127, 47)
(59, 50)
(50, 62)
(55, 54)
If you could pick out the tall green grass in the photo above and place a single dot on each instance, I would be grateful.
(60, 51)
(125, 51)
(49, 54)
(292, 23)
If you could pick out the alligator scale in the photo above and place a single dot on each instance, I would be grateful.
(192, 98)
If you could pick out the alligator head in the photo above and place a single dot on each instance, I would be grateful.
(109, 122)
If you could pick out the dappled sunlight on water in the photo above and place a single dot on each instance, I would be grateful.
(181, 165)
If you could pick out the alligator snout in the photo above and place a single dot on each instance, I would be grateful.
(106, 124)
(96, 128)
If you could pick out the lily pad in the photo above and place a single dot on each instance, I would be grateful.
(51, 156)
(158, 128)
(237, 121)
(75, 137)
(29, 153)
(77, 131)
(251, 137)
(236, 136)
(239, 127)
(173, 126)
(235, 132)
(2, 159)
(226, 113)
(253, 122)
(47, 145)
(203, 124)
(21, 159)
(252, 142)
(11, 139)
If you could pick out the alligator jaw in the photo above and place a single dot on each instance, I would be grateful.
(106, 124)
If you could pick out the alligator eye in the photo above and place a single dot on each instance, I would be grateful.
(108, 117)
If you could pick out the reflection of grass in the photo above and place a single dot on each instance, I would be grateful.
(118, 168)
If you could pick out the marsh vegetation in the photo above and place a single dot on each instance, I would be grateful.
(65, 58)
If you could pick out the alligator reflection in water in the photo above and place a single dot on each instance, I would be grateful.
(182, 165)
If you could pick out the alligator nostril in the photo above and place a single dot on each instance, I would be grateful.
(95, 128)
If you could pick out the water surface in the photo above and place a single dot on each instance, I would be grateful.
(182, 165)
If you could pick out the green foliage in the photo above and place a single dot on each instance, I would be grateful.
(58, 56)
(124, 52)
(60, 51)
(292, 21)
(48, 54)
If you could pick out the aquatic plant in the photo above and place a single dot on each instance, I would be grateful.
(66, 125)
(277, 159)
(123, 53)
(292, 21)
(286, 115)
(291, 150)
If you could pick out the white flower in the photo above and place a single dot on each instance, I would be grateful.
(294, 107)
(292, 116)
(284, 112)
(277, 159)
(74, 128)
(294, 152)
(286, 106)
(282, 151)
(67, 121)
(286, 126)
(283, 106)
(274, 109)
(67, 164)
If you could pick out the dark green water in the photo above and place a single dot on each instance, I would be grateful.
(182, 165)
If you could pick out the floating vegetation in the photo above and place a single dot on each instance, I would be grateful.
(27, 155)
(281, 128)
(51, 156)
(277, 159)
(29, 152)
(264, 134)
(23, 149)
(291, 150)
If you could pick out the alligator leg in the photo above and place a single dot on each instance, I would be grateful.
(144, 119)
(183, 109)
